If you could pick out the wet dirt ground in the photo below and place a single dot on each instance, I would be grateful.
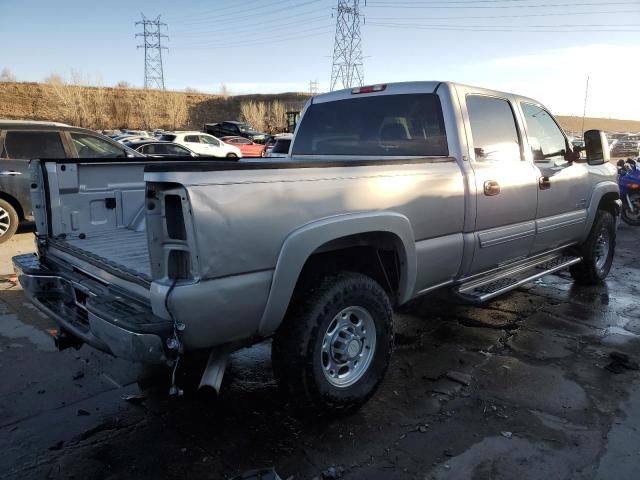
(517, 389)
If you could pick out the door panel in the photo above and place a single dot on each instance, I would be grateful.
(506, 184)
(562, 206)
(505, 223)
(564, 187)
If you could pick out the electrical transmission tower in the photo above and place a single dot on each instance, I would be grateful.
(152, 34)
(313, 87)
(346, 70)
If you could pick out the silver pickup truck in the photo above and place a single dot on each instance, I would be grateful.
(389, 192)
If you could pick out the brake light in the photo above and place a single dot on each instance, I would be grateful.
(634, 186)
(368, 89)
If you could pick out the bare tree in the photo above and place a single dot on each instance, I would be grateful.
(123, 84)
(191, 90)
(255, 114)
(7, 76)
(276, 117)
(147, 106)
(176, 107)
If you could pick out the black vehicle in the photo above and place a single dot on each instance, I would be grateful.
(21, 141)
(233, 129)
(160, 148)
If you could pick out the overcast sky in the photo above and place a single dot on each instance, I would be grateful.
(542, 49)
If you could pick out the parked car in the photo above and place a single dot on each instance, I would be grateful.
(135, 138)
(280, 147)
(203, 144)
(246, 146)
(20, 141)
(156, 148)
(626, 147)
(233, 129)
(391, 192)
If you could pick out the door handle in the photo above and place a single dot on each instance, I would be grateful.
(9, 173)
(545, 183)
(491, 188)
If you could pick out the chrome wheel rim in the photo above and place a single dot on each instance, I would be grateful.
(602, 249)
(348, 346)
(5, 221)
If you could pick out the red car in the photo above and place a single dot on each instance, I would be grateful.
(246, 146)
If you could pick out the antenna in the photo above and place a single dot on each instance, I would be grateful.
(346, 69)
(152, 34)
(584, 110)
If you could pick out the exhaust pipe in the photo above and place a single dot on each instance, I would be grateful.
(214, 371)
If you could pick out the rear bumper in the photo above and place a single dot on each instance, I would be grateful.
(99, 316)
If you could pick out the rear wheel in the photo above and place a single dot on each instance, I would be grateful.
(334, 346)
(597, 251)
(8, 221)
(232, 155)
(632, 217)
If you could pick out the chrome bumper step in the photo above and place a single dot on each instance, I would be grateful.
(488, 287)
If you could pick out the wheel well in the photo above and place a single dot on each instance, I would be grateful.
(14, 203)
(375, 254)
(608, 203)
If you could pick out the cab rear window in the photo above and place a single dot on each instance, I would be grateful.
(381, 125)
(32, 144)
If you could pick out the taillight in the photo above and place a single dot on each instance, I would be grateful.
(634, 186)
(369, 89)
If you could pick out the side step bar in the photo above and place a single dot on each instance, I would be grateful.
(490, 286)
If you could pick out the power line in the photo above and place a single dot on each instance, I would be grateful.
(259, 29)
(231, 17)
(458, 28)
(258, 42)
(152, 37)
(346, 68)
(491, 17)
(232, 29)
(572, 25)
(547, 5)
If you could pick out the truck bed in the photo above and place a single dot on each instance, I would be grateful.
(122, 249)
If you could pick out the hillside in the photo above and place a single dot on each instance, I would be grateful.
(104, 107)
(574, 124)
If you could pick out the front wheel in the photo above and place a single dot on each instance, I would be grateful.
(232, 155)
(333, 348)
(631, 217)
(8, 221)
(597, 251)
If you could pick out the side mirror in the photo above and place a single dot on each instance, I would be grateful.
(597, 147)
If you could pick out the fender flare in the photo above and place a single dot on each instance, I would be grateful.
(300, 244)
(599, 191)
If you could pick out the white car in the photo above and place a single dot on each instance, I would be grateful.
(203, 144)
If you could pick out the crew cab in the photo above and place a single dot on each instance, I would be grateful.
(389, 192)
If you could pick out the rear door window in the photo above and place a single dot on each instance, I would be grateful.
(192, 139)
(493, 128)
(29, 145)
(89, 146)
(383, 125)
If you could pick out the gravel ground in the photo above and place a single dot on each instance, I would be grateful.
(520, 388)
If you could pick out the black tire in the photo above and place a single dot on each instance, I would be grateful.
(232, 155)
(299, 362)
(595, 267)
(629, 219)
(8, 221)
